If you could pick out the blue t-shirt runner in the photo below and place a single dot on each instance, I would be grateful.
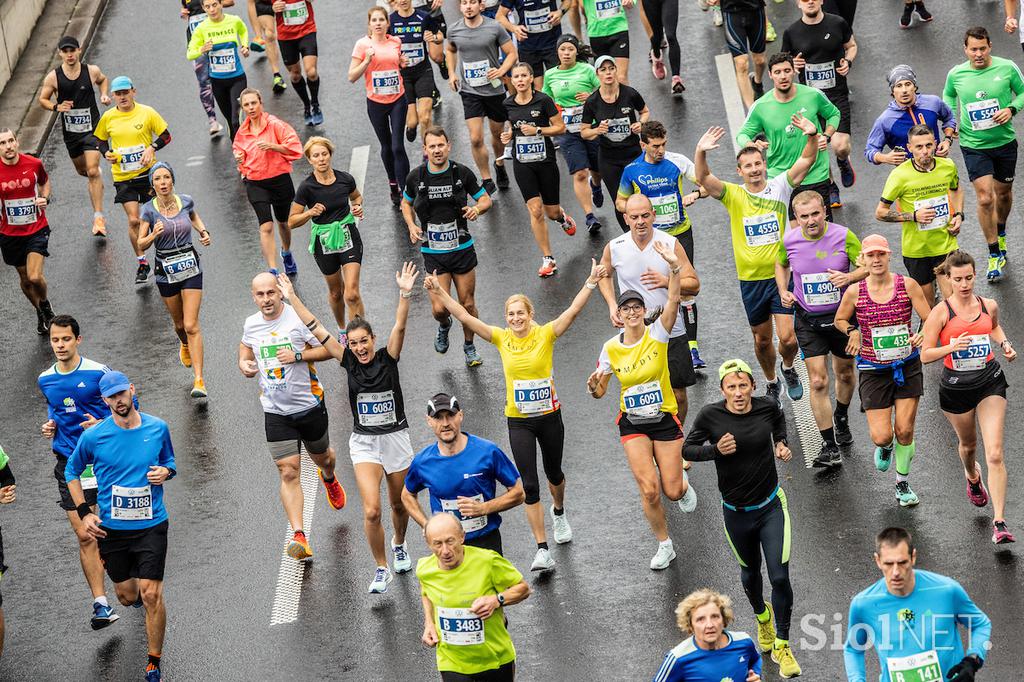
(687, 662)
(474, 472)
(662, 183)
(69, 398)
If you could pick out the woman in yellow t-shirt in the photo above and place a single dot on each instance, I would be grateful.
(648, 426)
(531, 402)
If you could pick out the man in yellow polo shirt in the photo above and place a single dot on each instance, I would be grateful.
(135, 133)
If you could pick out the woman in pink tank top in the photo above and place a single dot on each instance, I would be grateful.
(963, 332)
(891, 381)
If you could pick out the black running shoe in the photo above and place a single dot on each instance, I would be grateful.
(908, 12)
(40, 323)
(842, 428)
(828, 457)
(142, 274)
(501, 176)
(922, 13)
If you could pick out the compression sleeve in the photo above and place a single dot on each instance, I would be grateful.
(778, 425)
(161, 140)
(974, 620)
(856, 642)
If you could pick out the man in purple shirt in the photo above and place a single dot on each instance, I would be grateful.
(906, 110)
(812, 271)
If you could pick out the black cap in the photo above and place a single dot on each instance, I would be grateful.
(442, 402)
(627, 296)
(68, 41)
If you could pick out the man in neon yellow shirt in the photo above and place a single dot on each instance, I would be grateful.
(464, 590)
(931, 204)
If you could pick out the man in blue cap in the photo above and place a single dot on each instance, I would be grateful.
(132, 456)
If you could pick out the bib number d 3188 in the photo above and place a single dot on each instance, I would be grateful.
(131, 504)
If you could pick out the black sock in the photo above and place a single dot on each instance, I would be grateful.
(328, 480)
(558, 511)
(314, 91)
(829, 436)
(993, 248)
(1001, 229)
(154, 659)
(443, 68)
(542, 545)
(841, 409)
(302, 92)
(277, 75)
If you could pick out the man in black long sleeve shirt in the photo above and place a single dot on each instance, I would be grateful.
(743, 435)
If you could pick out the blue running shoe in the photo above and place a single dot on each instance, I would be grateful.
(153, 673)
(698, 363)
(441, 340)
(846, 174)
(291, 268)
(473, 358)
(307, 116)
(102, 616)
(593, 224)
(793, 386)
(317, 116)
(596, 195)
(883, 458)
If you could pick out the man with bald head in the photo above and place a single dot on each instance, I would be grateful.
(464, 590)
(279, 349)
(638, 267)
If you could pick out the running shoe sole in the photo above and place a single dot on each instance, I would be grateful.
(100, 623)
(298, 551)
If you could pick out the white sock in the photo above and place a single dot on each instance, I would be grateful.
(666, 543)
(102, 601)
(900, 478)
(786, 368)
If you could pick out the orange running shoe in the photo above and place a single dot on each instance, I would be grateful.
(99, 226)
(298, 548)
(198, 389)
(185, 356)
(335, 493)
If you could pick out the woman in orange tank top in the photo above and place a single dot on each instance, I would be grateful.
(962, 332)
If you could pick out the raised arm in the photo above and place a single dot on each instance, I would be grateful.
(608, 288)
(802, 167)
(671, 309)
(562, 323)
(701, 171)
(441, 295)
(326, 339)
(405, 280)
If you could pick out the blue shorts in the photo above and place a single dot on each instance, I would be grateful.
(761, 300)
(579, 154)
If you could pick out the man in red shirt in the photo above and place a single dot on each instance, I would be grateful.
(24, 232)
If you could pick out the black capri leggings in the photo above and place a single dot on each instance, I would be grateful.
(388, 121)
(663, 16)
(749, 532)
(226, 92)
(611, 174)
(524, 434)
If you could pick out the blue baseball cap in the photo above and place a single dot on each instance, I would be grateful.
(112, 383)
(121, 83)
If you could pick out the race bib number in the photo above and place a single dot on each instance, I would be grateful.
(295, 13)
(536, 20)
(941, 206)
(223, 60)
(180, 266)
(442, 237)
(975, 356)
(468, 525)
(21, 211)
(346, 243)
(131, 157)
(131, 504)
(460, 627)
(821, 76)
(88, 478)
(386, 82)
(573, 118)
(533, 396)
(917, 668)
(666, 211)
(891, 343)
(267, 358)
(607, 9)
(475, 73)
(376, 409)
(980, 114)
(413, 53)
(818, 290)
(762, 230)
(643, 400)
(618, 129)
(78, 121)
(531, 148)
(195, 20)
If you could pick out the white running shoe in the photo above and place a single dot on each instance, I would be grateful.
(381, 578)
(563, 533)
(666, 553)
(688, 502)
(716, 17)
(402, 562)
(542, 561)
(215, 127)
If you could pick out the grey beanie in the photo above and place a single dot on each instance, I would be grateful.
(901, 72)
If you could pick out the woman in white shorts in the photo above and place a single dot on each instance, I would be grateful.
(379, 445)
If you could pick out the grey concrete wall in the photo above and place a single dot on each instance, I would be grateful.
(17, 19)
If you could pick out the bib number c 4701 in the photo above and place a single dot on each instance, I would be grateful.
(923, 667)
(980, 113)
(891, 343)
(607, 9)
(531, 148)
(475, 73)
(295, 13)
(468, 525)
(78, 121)
(386, 82)
(442, 236)
(460, 627)
(20, 211)
(533, 396)
(131, 504)
(821, 76)
(376, 409)
(666, 210)
(643, 400)
(974, 356)
(573, 117)
(179, 267)
(131, 157)
(762, 230)
(223, 60)
(818, 290)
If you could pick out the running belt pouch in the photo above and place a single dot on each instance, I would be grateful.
(332, 237)
(160, 255)
(818, 320)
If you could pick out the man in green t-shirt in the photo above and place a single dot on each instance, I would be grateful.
(931, 204)
(990, 92)
(464, 590)
(768, 127)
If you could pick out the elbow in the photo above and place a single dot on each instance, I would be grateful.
(520, 495)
